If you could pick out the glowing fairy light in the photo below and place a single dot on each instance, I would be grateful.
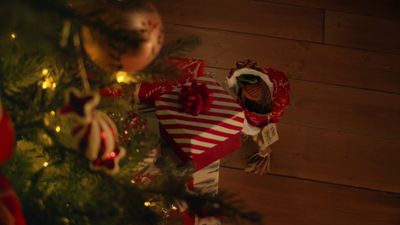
(122, 77)
(45, 85)
(149, 204)
(13, 36)
(45, 71)
(58, 129)
(45, 164)
(49, 83)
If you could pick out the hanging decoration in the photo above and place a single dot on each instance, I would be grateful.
(114, 55)
(95, 133)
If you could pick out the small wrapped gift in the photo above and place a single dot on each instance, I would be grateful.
(203, 181)
(201, 121)
(148, 92)
(264, 95)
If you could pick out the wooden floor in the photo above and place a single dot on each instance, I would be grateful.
(338, 159)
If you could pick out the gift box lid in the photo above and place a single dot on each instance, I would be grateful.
(206, 137)
(189, 69)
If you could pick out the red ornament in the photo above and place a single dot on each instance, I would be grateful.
(7, 139)
(196, 98)
(10, 208)
(110, 56)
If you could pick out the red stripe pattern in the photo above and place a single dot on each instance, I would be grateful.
(196, 135)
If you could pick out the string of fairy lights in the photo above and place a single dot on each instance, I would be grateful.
(48, 82)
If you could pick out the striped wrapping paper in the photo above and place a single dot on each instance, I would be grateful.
(204, 138)
(205, 181)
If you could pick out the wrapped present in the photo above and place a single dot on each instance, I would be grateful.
(264, 95)
(204, 132)
(147, 93)
(203, 181)
(206, 180)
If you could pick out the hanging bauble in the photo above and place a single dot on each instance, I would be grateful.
(7, 136)
(112, 55)
(10, 208)
(95, 133)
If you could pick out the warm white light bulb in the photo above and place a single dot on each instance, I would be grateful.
(45, 71)
(121, 77)
(58, 129)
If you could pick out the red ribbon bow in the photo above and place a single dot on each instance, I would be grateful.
(195, 98)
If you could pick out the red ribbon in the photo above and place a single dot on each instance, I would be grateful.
(195, 98)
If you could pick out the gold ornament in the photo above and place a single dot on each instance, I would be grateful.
(113, 56)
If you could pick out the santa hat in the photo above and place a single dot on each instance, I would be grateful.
(278, 85)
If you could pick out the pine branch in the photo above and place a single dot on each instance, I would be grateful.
(178, 47)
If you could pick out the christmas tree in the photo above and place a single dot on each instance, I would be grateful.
(67, 74)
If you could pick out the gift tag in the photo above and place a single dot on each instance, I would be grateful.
(269, 134)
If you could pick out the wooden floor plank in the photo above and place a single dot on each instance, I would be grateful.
(330, 156)
(345, 109)
(300, 60)
(342, 109)
(376, 8)
(287, 201)
(362, 32)
(246, 16)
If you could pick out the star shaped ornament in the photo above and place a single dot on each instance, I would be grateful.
(80, 105)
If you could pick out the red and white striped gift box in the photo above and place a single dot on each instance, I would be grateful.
(206, 137)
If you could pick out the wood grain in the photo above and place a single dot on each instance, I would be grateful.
(341, 109)
(300, 60)
(362, 32)
(330, 156)
(345, 109)
(376, 8)
(286, 201)
(246, 16)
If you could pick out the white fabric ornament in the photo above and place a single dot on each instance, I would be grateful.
(95, 133)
